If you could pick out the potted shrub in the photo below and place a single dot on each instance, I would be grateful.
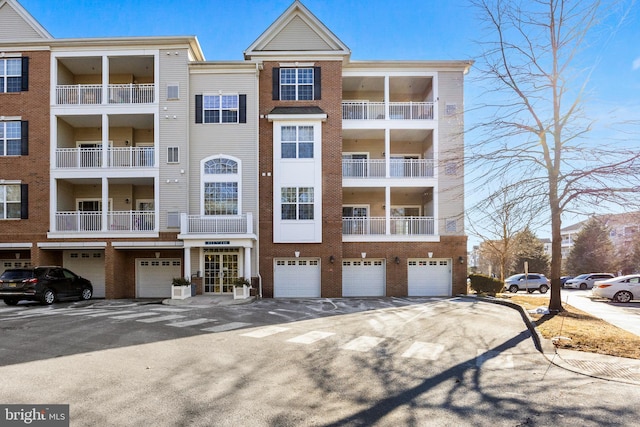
(241, 288)
(180, 288)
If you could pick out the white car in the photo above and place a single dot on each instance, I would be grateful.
(586, 281)
(618, 289)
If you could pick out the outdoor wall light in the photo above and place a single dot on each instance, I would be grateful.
(461, 259)
(297, 254)
(397, 260)
(430, 254)
(364, 255)
(127, 200)
(332, 259)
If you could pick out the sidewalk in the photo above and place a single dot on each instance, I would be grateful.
(611, 368)
(208, 300)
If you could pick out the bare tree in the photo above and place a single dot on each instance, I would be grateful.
(538, 128)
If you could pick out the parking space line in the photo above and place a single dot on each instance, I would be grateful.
(84, 311)
(227, 327)
(171, 309)
(132, 316)
(191, 322)
(311, 337)
(161, 318)
(424, 351)
(109, 313)
(494, 360)
(265, 332)
(362, 343)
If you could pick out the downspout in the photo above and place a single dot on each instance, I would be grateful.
(259, 67)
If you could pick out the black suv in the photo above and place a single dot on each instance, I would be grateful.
(45, 284)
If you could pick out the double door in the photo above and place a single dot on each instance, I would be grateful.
(220, 271)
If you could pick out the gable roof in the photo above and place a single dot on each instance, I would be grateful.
(18, 24)
(297, 32)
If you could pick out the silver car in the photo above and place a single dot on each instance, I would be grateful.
(586, 281)
(530, 282)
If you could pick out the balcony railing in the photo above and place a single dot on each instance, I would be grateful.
(403, 168)
(76, 221)
(365, 110)
(117, 94)
(125, 157)
(407, 226)
(216, 224)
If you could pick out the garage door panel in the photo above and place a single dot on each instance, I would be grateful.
(90, 265)
(296, 278)
(363, 278)
(154, 276)
(429, 277)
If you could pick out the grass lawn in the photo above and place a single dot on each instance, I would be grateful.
(586, 333)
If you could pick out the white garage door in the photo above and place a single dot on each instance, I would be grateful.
(154, 275)
(363, 278)
(14, 263)
(296, 278)
(90, 265)
(429, 277)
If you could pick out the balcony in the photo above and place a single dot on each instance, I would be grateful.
(216, 224)
(377, 168)
(120, 157)
(82, 222)
(91, 94)
(365, 110)
(377, 226)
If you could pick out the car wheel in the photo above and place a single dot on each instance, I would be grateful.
(583, 286)
(623, 296)
(543, 289)
(513, 289)
(48, 296)
(11, 301)
(86, 294)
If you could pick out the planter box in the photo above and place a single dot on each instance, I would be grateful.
(180, 292)
(241, 292)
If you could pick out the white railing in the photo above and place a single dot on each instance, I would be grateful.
(117, 94)
(411, 168)
(408, 226)
(363, 168)
(405, 168)
(125, 157)
(78, 221)
(78, 157)
(363, 225)
(413, 225)
(131, 93)
(131, 220)
(362, 110)
(78, 94)
(365, 110)
(117, 221)
(131, 157)
(411, 110)
(216, 224)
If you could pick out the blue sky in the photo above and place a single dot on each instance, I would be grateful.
(372, 29)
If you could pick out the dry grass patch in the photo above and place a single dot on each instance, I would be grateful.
(586, 333)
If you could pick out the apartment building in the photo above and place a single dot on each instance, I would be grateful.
(310, 173)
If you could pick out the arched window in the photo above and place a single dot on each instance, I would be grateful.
(220, 186)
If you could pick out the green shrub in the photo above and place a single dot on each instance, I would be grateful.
(485, 285)
(180, 281)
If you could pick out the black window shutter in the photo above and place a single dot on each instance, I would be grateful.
(24, 138)
(25, 73)
(242, 106)
(317, 87)
(198, 108)
(276, 84)
(24, 201)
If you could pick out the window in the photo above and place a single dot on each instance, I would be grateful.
(14, 74)
(173, 91)
(10, 138)
(451, 226)
(297, 203)
(10, 201)
(297, 142)
(221, 108)
(221, 186)
(450, 109)
(296, 84)
(450, 168)
(173, 155)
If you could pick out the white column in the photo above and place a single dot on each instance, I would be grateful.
(387, 209)
(187, 263)
(105, 79)
(105, 204)
(247, 263)
(105, 140)
(386, 97)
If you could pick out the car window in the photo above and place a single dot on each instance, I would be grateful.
(533, 277)
(68, 274)
(582, 276)
(56, 273)
(16, 274)
(634, 280)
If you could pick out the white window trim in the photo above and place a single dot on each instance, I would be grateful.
(221, 94)
(171, 98)
(204, 178)
(178, 151)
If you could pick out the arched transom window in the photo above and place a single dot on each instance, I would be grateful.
(221, 186)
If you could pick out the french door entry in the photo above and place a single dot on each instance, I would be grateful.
(220, 271)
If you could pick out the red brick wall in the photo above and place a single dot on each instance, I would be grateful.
(33, 169)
